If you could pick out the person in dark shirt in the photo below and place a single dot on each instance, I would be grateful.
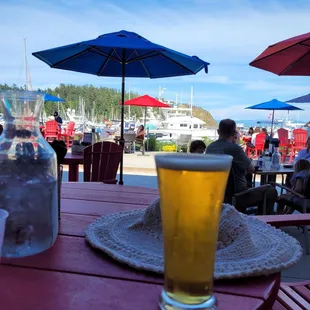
(58, 119)
(241, 165)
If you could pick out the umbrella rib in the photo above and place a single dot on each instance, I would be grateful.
(145, 56)
(105, 63)
(133, 52)
(284, 49)
(177, 63)
(294, 63)
(105, 54)
(143, 64)
(68, 58)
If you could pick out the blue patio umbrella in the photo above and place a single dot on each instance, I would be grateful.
(302, 99)
(48, 97)
(274, 105)
(122, 54)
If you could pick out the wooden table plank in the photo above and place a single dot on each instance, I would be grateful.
(109, 187)
(74, 224)
(47, 290)
(74, 255)
(119, 197)
(96, 208)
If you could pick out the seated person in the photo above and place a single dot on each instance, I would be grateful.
(268, 138)
(297, 182)
(304, 153)
(58, 119)
(197, 146)
(241, 165)
(251, 131)
(140, 134)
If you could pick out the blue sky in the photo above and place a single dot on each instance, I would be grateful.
(227, 33)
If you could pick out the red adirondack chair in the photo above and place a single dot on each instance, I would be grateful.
(51, 130)
(68, 134)
(284, 142)
(299, 142)
(101, 161)
(259, 145)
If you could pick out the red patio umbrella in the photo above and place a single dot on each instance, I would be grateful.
(288, 57)
(147, 102)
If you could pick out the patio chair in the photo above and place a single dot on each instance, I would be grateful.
(231, 196)
(302, 205)
(129, 142)
(101, 161)
(52, 130)
(299, 142)
(259, 146)
(183, 140)
(293, 296)
(68, 134)
(284, 143)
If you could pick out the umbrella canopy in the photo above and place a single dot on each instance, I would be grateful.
(48, 97)
(273, 105)
(302, 99)
(122, 54)
(288, 57)
(146, 101)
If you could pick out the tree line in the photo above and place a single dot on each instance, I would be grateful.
(100, 102)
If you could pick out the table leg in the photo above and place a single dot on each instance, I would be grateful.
(73, 173)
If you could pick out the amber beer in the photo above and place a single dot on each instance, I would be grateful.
(191, 194)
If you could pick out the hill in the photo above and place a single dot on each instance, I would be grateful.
(203, 115)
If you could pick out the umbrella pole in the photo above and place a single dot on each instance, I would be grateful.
(143, 150)
(122, 141)
(272, 122)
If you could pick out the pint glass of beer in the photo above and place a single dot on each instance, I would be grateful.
(192, 188)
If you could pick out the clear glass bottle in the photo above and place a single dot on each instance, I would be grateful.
(28, 177)
(276, 158)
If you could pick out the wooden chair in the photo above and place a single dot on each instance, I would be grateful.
(231, 196)
(293, 296)
(183, 141)
(284, 143)
(101, 161)
(303, 208)
(68, 134)
(51, 130)
(259, 145)
(299, 142)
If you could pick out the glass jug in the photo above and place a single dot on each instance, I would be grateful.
(28, 177)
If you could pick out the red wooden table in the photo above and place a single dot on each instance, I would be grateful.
(72, 275)
(73, 161)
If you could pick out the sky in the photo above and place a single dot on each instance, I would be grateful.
(228, 34)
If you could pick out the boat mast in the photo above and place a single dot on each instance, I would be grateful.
(192, 94)
(28, 85)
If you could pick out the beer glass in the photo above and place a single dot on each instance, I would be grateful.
(192, 188)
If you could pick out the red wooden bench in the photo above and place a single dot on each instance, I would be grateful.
(293, 296)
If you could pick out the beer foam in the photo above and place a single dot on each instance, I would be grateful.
(194, 162)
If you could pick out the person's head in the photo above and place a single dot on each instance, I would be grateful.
(302, 164)
(227, 129)
(197, 146)
(56, 114)
(251, 131)
(257, 130)
(141, 127)
(264, 130)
